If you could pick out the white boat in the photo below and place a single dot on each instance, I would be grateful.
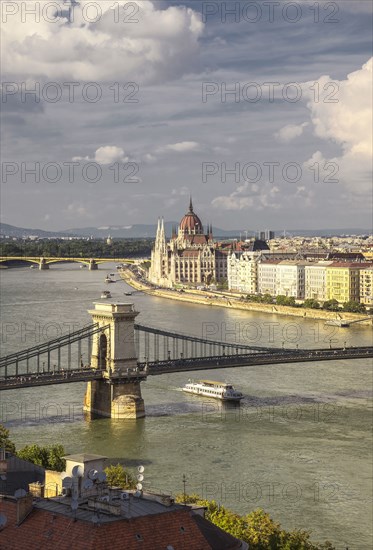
(32, 266)
(209, 388)
(109, 279)
(105, 294)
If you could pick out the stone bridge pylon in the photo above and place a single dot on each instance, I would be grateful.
(118, 394)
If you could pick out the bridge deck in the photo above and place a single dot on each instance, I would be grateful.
(189, 365)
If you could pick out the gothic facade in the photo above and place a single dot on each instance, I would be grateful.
(190, 257)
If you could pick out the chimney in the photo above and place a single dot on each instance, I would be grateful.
(24, 508)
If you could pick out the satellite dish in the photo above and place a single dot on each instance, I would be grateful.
(87, 484)
(77, 471)
(137, 494)
(139, 486)
(101, 476)
(3, 521)
(92, 474)
(67, 482)
(141, 469)
(140, 477)
(74, 505)
(20, 493)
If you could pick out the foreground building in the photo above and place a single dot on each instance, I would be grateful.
(89, 515)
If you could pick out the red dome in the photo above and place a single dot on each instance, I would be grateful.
(191, 223)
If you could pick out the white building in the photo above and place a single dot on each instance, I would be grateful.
(366, 286)
(315, 281)
(267, 277)
(243, 271)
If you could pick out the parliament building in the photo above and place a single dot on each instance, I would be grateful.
(190, 257)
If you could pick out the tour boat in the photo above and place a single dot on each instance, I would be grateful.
(105, 294)
(218, 390)
(109, 279)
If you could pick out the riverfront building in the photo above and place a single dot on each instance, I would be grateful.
(324, 280)
(366, 286)
(315, 281)
(343, 281)
(190, 257)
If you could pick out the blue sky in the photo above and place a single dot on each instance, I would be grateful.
(290, 148)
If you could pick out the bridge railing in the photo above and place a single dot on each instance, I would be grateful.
(51, 345)
(10, 364)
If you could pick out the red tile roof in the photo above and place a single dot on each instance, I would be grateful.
(43, 530)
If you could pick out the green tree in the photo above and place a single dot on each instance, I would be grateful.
(49, 457)
(311, 303)
(257, 528)
(5, 442)
(118, 476)
(354, 307)
(267, 299)
(285, 300)
(331, 305)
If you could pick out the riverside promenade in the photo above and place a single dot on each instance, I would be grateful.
(234, 301)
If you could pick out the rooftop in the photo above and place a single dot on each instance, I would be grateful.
(84, 457)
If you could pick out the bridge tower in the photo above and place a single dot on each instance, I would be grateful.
(118, 394)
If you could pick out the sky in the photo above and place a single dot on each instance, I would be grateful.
(114, 113)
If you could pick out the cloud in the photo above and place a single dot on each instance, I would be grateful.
(75, 209)
(99, 42)
(248, 195)
(106, 155)
(342, 113)
(290, 132)
(182, 147)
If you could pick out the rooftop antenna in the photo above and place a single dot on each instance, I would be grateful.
(184, 493)
(140, 478)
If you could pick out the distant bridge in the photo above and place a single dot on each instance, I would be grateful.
(59, 362)
(43, 262)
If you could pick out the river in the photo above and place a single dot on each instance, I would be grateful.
(299, 446)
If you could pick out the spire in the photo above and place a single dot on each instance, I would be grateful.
(190, 204)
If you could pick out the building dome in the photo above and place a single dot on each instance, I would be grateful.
(190, 223)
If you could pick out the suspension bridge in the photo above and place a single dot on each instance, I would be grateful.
(114, 355)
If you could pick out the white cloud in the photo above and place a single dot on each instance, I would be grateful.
(75, 209)
(162, 45)
(249, 195)
(290, 132)
(343, 114)
(106, 155)
(109, 154)
(182, 147)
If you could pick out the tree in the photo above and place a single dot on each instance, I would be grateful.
(267, 299)
(5, 442)
(285, 300)
(354, 307)
(331, 305)
(118, 476)
(49, 457)
(257, 528)
(311, 303)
